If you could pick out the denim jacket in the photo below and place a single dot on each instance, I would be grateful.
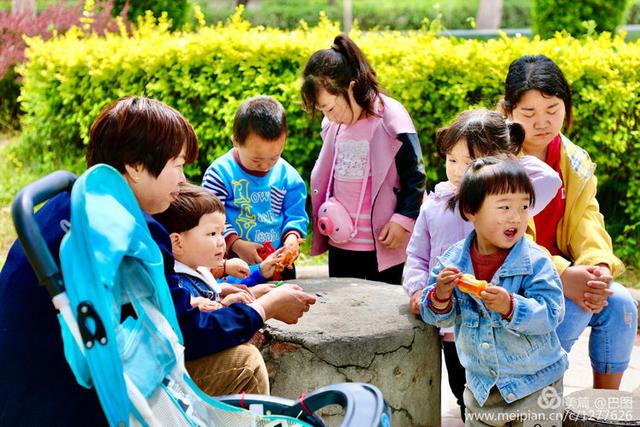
(519, 356)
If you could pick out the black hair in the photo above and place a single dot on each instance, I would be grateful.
(487, 176)
(184, 213)
(261, 115)
(487, 133)
(334, 69)
(137, 130)
(536, 73)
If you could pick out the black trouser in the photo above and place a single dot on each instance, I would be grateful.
(361, 265)
(457, 378)
(288, 274)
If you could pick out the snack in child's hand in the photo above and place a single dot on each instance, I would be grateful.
(469, 284)
(285, 260)
(287, 257)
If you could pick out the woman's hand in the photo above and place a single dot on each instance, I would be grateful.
(392, 235)
(259, 290)
(496, 298)
(236, 267)
(248, 251)
(587, 286)
(286, 303)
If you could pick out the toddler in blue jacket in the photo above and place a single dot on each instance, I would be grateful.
(195, 222)
(505, 327)
(264, 196)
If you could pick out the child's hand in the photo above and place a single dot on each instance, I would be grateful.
(393, 235)
(292, 242)
(205, 304)
(445, 282)
(243, 297)
(414, 302)
(228, 289)
(259, 290)
(496, 298)
(248, 251)
(268, 266)
(237, 268)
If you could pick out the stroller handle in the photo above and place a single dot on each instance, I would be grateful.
(29, 234)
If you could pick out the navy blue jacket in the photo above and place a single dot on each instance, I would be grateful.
(37, 386)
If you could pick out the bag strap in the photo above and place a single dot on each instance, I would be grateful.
(364, 181)
(333, 164)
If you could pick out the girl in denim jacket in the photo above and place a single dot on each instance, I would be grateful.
(474, 133)
(505, 336)
(370, 167)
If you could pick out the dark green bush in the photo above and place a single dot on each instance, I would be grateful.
(550, 16)
(382, 14)
(177, 10)
(207, 74)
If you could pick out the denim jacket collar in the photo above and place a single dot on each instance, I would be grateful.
(517, 263)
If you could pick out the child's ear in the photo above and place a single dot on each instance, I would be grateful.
(234, 140)
(176, 244)
(470, 217)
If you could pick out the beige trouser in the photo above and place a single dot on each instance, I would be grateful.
(235, 370)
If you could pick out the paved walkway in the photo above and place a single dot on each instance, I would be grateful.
(578, 376)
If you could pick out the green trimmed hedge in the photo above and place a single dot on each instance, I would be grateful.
(207, 73)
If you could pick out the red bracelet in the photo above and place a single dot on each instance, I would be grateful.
(431, 298)
(224, 267)
(434, 296)
(511, 307)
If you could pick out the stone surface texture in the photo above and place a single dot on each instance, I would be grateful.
(358, 331)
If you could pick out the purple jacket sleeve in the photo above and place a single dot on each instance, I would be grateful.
(416, 270)
(204, 333)
(546, 182)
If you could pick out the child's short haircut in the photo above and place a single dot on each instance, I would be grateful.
(487, 133)
(488, 176)
(185, 212)
(260, 115)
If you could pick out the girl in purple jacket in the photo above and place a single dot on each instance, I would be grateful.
(473, 134)
(368, 181)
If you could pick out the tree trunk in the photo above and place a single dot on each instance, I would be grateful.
(489, 14)
(347, 16)
(23, 7)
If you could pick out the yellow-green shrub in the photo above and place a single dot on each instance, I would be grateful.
(207, 73)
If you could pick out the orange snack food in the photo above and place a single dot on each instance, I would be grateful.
(287, 257)
(469, 284)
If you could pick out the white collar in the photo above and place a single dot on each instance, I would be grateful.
(201, 273)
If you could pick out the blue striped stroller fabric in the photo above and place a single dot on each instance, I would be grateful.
(136, 365)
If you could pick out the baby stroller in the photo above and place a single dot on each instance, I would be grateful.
(135, 362)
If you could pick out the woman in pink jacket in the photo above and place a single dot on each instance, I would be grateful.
(368, 181)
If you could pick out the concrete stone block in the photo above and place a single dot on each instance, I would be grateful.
(359, 331)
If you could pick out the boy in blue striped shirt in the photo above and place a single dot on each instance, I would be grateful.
(264, 196)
